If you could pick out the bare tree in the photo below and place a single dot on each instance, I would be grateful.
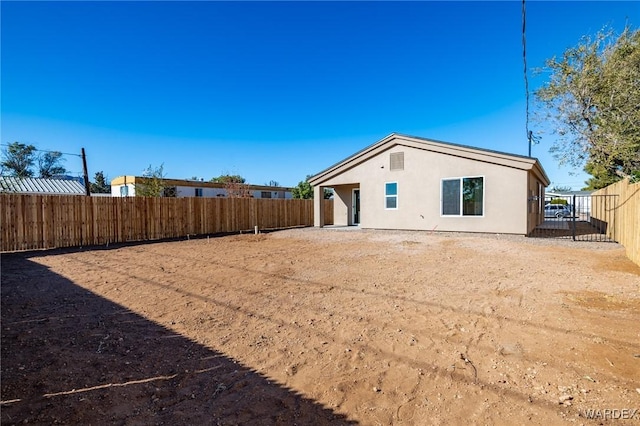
(234, 185)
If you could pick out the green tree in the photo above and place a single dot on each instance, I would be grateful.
(49, 164)
(18, 160)
(153, 184)
(592, 101)
(559, 201)
(228, 179)
(100, 185)
(304, 190)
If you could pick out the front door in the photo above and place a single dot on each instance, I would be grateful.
(356, 206)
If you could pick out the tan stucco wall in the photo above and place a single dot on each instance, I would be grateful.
(505, 193)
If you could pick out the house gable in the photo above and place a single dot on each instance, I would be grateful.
(445, 148)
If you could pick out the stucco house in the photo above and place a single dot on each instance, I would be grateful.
(413, 183)
(125, 186)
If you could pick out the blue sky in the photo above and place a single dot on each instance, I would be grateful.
(277, 90)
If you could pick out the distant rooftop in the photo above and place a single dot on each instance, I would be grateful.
(42, 186)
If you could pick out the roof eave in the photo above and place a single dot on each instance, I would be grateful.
(490, 156)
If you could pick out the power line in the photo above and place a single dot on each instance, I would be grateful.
(44, 150)
(529, 133)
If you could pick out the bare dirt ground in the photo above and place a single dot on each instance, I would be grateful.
(311, 326)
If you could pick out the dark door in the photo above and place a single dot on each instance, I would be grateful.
(356, 206)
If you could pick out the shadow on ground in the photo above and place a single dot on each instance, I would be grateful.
(72, 357)
(564, 229)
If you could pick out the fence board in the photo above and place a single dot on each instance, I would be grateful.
(31, 222)
(623, 220)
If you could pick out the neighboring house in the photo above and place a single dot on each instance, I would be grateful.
(125, 186)
(406, 182)
(41, 186)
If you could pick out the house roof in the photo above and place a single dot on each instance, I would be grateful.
(141, 180)
(464, 151)
(41, 186)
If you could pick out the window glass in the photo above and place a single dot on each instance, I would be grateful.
(472, 196)
(391, 195)
(170, 191)
(451, 197)
(391, 188)
(463, 196)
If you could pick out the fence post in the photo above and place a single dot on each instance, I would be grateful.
(573, 216)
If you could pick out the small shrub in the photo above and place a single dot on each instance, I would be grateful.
(559, 201)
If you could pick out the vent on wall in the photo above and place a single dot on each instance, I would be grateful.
(397, 161)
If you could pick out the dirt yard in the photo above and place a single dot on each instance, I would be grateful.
(329, 326)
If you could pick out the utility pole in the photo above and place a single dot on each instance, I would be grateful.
(87, 188)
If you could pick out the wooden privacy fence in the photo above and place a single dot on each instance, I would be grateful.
(623, 218)
(32, 222)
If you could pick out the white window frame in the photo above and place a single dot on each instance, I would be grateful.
(386, 196)
(461, 179)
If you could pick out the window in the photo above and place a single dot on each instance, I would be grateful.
(391, 195)
(451, 197)
(198, 192)
(265, 194)
(463, 196)
(170, 191)
(124, 191)
(396, 161)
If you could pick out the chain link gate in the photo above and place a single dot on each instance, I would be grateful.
(578, 217)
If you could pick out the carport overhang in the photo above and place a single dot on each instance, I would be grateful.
(343, 204)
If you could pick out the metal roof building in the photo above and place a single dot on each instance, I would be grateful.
(41, 186)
